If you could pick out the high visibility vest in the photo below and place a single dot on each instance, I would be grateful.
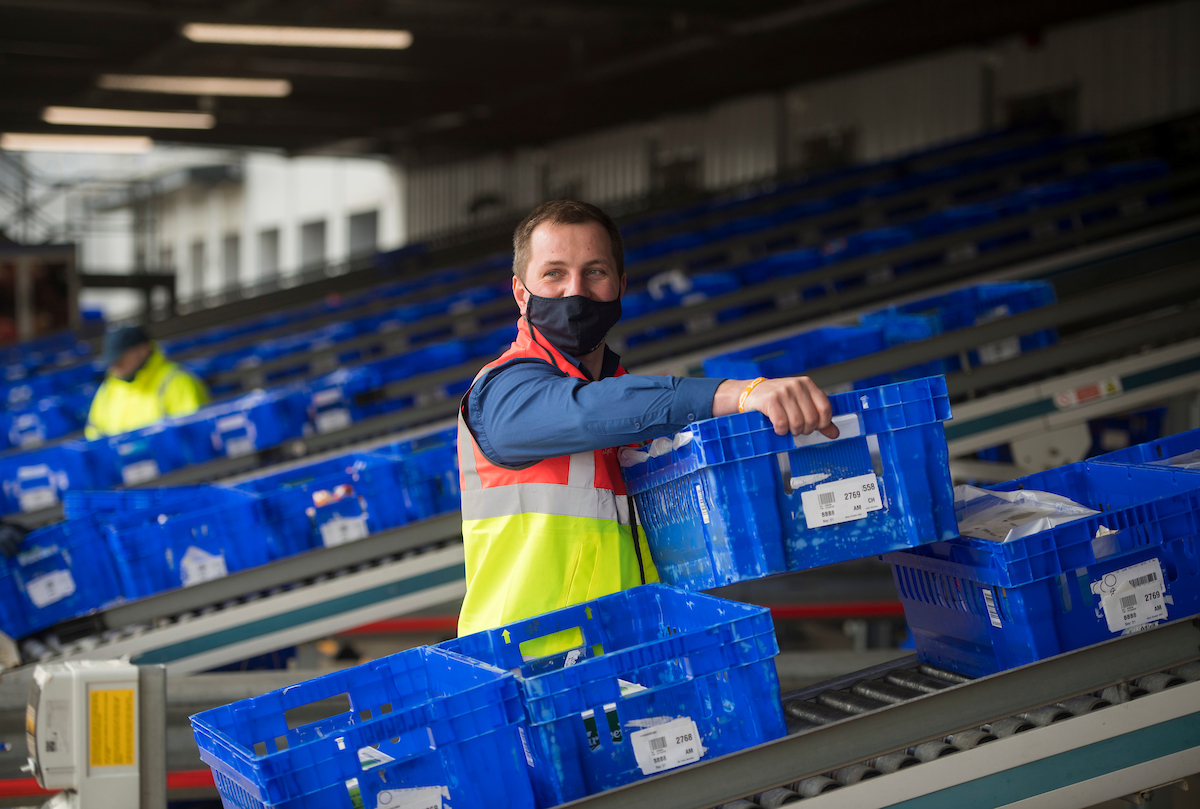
(159, 389)
(547, 534)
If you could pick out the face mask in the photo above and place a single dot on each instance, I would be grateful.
(575, 325)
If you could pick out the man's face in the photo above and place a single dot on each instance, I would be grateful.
(566, 260)
(130, 360)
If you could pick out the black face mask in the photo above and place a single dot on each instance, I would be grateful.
(575, 325)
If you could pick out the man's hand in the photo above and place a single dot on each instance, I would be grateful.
(794, 404)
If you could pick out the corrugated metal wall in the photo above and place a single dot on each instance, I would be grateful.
(1130, 68)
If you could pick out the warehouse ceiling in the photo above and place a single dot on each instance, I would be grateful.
(479, 74)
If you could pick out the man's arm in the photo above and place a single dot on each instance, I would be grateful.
(794, 404)
(185, 394)
(528, 410)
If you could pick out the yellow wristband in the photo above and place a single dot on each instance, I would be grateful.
(746, 393)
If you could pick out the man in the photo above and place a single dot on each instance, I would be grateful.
(546, 520)
(142, 386)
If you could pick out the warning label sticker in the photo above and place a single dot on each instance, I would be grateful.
(111, 728)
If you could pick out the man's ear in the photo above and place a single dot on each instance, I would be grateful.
(518, 289)
(624, 278)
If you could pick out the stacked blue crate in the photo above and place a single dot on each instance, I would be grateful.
(138, 456)
(429, 469)
(623, 687)
(36, 480)
(245, 425)
(1180, 451)
(729, 500)
(978, 606)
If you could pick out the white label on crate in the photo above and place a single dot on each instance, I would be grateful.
(341, 530)
(419, 798)
(990, 601)
(140, 472)
(38, 499)
(327, 396)
(665, 747)
(703, 505)
(841, 501)
(199, 565)
(999, 351)
(332, 420)
(369, 757)
(237, 447)
(1132, 596)
(1086, 394)
(50, 588)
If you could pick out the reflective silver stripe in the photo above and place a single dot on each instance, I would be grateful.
(582, 470)
(545, 498)
(466, 457)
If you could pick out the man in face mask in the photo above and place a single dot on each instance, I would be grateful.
(142, 386)
(546, 519)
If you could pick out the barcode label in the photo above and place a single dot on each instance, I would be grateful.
(841, 501)
(1133, 597)
(666, 746)
(990, 601)
(50, 588)
(703, 505)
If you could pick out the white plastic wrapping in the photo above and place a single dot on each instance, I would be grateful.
(1004, 516)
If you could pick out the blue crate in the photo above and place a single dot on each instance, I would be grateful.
(36, 480)
(380, 501)
(866, 243)
(439, 722)
(780, 265)
(429, 469)
(63, 571)
(218, 531)
(691, 663)
(33, 426)
(13, 621)
(733, 501)
(1180, 451)
(78, 504)
(138, 456)
(247, 424)
(964, 308)
(978, 607)
(797, 354)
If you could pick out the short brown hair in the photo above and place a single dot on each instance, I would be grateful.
(564, 212)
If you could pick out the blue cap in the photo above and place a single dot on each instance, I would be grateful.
(118, 341)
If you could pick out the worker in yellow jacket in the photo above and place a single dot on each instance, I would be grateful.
(142, 386)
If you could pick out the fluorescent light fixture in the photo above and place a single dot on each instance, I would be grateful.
(94, 144)
(297, 37)
(91, 116)
(196, 85)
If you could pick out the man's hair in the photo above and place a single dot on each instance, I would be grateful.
(564, 212)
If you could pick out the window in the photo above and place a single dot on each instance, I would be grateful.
(268, 253)
(312, 245)
(364, 233)
(231, 248)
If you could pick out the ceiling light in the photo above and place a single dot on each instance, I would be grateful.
(196, 85)
(90, 116)
(294, 36)
(96, 144)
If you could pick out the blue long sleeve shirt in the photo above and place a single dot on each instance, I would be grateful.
(527, 410)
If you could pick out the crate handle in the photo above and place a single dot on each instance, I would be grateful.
(849, 426)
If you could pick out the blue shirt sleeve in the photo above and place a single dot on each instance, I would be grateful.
(527, 410)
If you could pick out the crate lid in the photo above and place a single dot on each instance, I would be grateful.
(742, 436)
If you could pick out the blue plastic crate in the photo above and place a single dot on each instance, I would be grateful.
(978, 607)
(444, 728)
(13, 621)
(429, 468)
(36, 480)
(63, 571)
(379, 501)
(733, 501)
(139, 456)
(79, 504)
(33, 426)
(219, 531)
(643, 666)
(1180, 451)
(247, 424)
(797, 354)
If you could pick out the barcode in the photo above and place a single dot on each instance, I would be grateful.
(1139, 581)
(1128, 602)
(657, 743)
(825, 499)
(993, 616)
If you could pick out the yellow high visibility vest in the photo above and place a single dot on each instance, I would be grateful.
(546, 535)
(160, 389)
